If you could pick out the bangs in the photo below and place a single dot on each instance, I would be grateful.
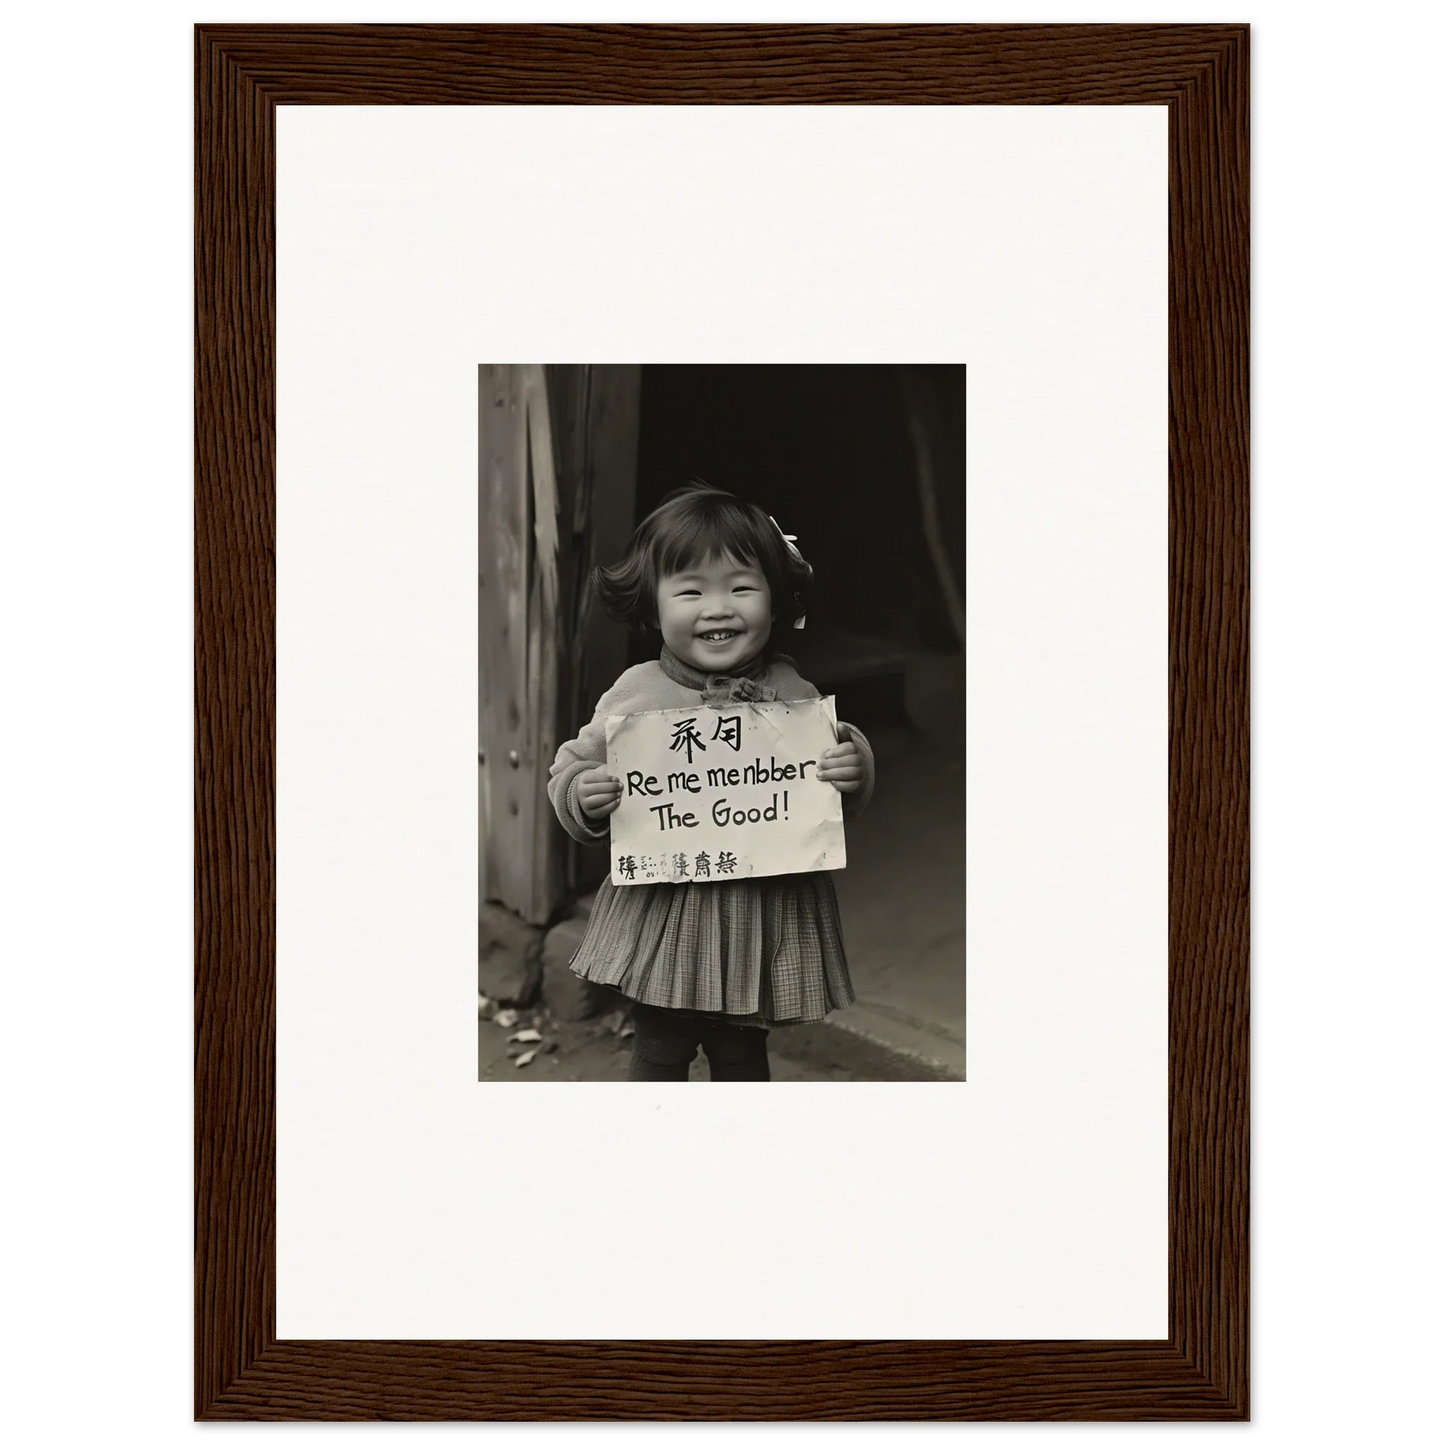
(707, 533)
(694, 525)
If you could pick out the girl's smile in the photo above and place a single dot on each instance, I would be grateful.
(716, 615)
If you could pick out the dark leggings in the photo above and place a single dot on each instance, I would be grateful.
(666, 1041)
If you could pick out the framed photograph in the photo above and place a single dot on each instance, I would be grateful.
(722, 556)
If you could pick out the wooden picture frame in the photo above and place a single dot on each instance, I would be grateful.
(242, 1371)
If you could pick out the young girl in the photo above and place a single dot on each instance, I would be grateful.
(710, 963)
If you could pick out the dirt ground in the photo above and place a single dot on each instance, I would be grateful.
(598, 1051)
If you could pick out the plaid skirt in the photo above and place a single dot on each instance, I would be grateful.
(752, 950)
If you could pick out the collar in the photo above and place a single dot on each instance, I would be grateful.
(742, 686)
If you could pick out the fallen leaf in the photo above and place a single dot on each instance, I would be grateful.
(505, 1018)
(524, 1059)
(525, 1036)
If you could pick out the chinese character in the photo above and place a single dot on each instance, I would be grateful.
(702, 867)
(726, 863)
(627, 866)
(679, 864)
(730, 730)
(686, 735)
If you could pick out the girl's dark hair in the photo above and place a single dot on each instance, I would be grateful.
(692, 524)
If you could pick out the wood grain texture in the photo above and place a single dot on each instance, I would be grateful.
(242, 1370)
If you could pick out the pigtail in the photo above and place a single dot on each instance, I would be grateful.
(800, 600)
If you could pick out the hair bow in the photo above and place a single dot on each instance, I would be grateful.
(790, 540)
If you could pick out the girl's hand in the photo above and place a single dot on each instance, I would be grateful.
(598, 792)
(842, 766)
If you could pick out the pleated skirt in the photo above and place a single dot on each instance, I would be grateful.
(754, 950)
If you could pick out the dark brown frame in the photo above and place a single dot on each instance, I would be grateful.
(241, 1370)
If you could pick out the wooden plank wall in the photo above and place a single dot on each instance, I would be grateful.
(502, 557)
(557, 449)
(596, 411)
(519, 636)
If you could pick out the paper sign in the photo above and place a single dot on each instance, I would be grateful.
(726, 792)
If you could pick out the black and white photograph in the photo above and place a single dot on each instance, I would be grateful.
(721, 723)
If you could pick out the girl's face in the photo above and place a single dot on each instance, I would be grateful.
(716, 615)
